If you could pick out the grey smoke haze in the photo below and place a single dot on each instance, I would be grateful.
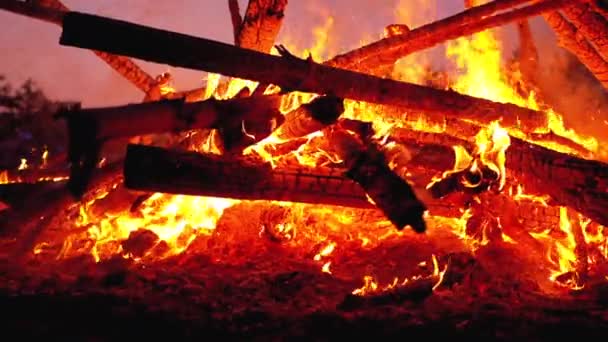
(31, 49)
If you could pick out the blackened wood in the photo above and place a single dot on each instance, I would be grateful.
(288, 72)
(389, 192)
(168, 116)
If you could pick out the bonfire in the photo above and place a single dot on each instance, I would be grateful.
(295, 197)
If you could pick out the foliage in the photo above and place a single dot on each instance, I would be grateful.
(27, 126)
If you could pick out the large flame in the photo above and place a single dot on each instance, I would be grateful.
(178, 220)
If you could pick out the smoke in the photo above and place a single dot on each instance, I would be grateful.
(569, 87)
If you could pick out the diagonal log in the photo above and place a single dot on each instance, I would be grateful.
(390, 193)
(53, 11)
(592, 25)
(94, 32)
(387, 51)
(579, 46)
(235, 18)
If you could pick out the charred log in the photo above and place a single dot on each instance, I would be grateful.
(87, 31)
(389, 192)
(166, 116)
(155, 169)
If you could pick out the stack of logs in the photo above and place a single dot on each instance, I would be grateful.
(368, 174)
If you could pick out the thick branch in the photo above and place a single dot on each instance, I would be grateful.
(261, 24)
(579, 46)
(235, 18)
(53, 11)
(387, 51)
(93, 32)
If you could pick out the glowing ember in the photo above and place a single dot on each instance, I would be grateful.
(165, 225)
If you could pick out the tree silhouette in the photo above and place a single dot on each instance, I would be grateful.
(27, 125)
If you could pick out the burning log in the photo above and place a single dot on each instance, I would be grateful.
(89, 128)
(53, 12)
(88, 31)
(571, 41)
(391, 194)
(261, 24)
(570, 181)
(592, 25)
(180, 172)
(310, 117)
(387, 51)
(99, 124)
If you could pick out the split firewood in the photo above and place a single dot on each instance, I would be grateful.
(389, 192)
(589, 23)
(387, 51)
(570, 39)
(288, 72)
(261, 24)
(310, 117)
(53, 10)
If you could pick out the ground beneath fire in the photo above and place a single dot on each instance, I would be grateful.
(262, 290)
